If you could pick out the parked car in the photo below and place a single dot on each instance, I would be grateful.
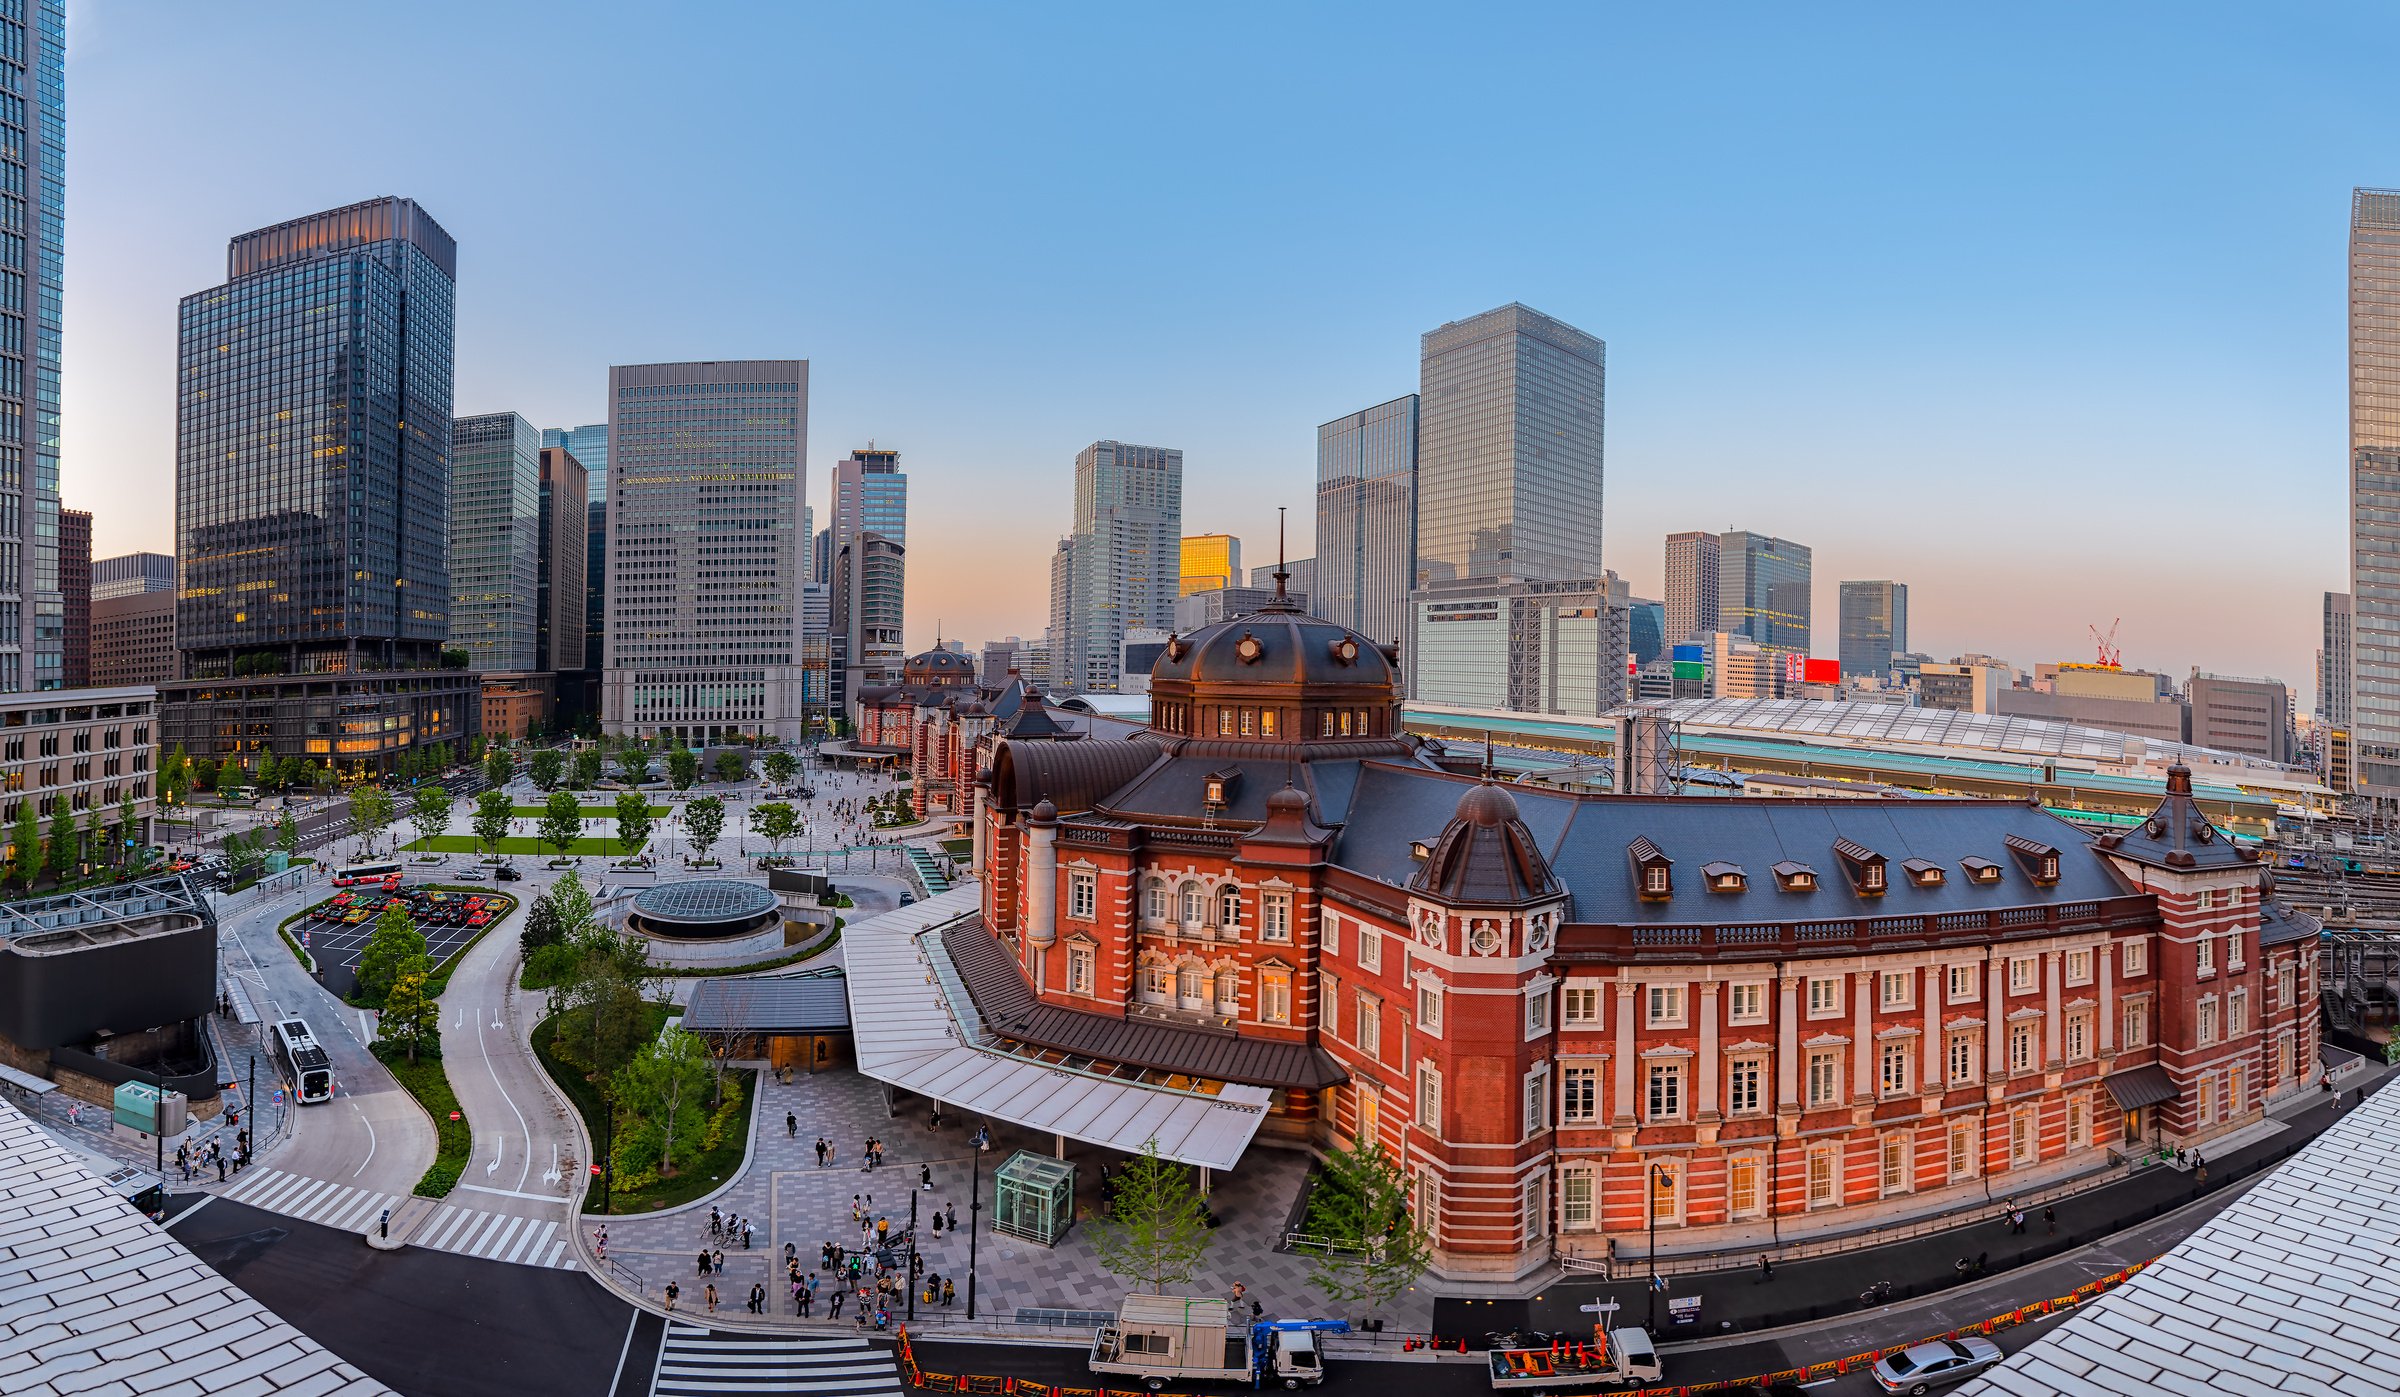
(507, 873)
(1924, 1367)
(471, 875)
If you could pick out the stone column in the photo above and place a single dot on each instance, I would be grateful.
(1937, 989)
(980, 844)
(2054, 1041)
(1995, 1017)
(1708, 1053)
(1041, 876)
(1787, 1044)
(1626, 993)
(1862, 1038)
(2105, 969)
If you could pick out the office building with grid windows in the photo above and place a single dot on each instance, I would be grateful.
(131, 574)
(2375, 489)
(33, 169)
(870, 496)
(706, 558)
(1694, 585)
(589, 446)
(1366, 519)
(1124, 561)
(75, 596)
(1765, 586)
(495, 540)
(1874, 628)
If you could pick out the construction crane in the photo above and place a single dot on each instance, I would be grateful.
(2110, 655)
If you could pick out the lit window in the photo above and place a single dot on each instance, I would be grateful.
(1894, 1075)
(1823, 1191)
(1229, 992)
(1895, 1170)
(1741, 1186)
(1275, 996)
(1666, 1191)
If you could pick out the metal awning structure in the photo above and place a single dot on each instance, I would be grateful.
(2137, 1087)
(915, 1027)
(768, 1004)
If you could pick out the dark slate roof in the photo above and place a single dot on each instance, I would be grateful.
(1032, 720)
(1009, 1009)
(2177, 836)
(768, 1004)
(1289, 647)
(1486, 856)
(1585, 839)
(2279, 924)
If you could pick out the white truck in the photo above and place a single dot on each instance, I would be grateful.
(1159, 1339)
(1610, 1358)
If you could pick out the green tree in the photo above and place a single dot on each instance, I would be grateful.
(775, 823)
(370, 812)
(731, 766)
(475, 746)
(440, 756)
(703, 820)
(493, 810)
(1156, 1233)
(127, 832)
(633, 822)
(587, 768)
(287, 834)
(204, 775)
(542, 926)
(562, 821)
(683, 767)
(455, 658)
(634, 760)
(60, 855)
(95, 842)
(781, 766)
(577, 921)
(389, 949)
(411, 1016)
(1359, 1206)
(431, 812)
(175, 777)
(498, 766)
(661, 1090)
(25, 846)
(545, 767)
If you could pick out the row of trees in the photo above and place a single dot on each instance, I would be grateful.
(66, 843)
(549, 768)
(181, 774)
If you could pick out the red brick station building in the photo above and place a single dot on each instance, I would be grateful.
(1566, 1013)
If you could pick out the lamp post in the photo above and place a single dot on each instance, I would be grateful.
(1657, 1172)
(912, 1256)
(982, 1142)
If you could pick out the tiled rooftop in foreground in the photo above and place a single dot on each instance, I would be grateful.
(95, 1298)
(2294, 1288)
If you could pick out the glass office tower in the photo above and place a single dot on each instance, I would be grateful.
(495, 540)
(1366, 519)
(313, 447)
(706, 482)
(1126, 560)
(33, 201)
(1763, 586)
(1695, 586)
(870, 496)
(1874, 627)
(1509, 438)
(1208, 563)
(589, 446)
(2375, 489)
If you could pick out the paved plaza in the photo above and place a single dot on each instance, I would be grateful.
(790, 1199)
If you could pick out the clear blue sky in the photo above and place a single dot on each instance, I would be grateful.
(2037, 308)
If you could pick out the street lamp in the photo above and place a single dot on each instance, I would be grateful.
(982, 1142)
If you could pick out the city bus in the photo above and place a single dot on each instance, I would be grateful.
(310, 1070)
(350, 873)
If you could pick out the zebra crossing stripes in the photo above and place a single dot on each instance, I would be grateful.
(312, 1200)
(698, 1362)
(510, 1237)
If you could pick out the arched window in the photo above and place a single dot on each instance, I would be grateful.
(1195, 905)
(1229, 991)
(1155, 904)
(1229, 908)
(1192, 985)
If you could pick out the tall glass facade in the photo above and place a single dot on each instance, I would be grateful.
(1695, 586)
(1127, 557)
(1366, 519)
(131, 574)
(1208, 563)
(2375, 488)
(870, 496)
(706, 482)
(1509, 446)
(1874, 627)
(589, 446)
(1764, 587)
(312, 483)
(495, 540)
(33, 171)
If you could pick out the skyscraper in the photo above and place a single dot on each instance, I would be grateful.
(2375, 489)
(705, 559)
(1509, 439)
(33, 173)
(589, 446)
(496, 541)
(1300, 576)
(75, 596)
(1874, 627)
(870, 496)
(131, 574)
(1765, 590)
(1366, 558)
(1208, 563)
(559, 604)
(2333, 663)
(1127, 556)
(1694, 605)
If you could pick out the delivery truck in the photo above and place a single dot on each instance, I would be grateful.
(1158, 1339)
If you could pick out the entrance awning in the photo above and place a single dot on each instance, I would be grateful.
(781, 1004)
(2140, 1086)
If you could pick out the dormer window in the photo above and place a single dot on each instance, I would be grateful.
(1653, 871)
(1980, 871)
(1864, 865)
(1250, 648)
(1794, 877)
(2040, 860)
(1722, 877)
(1345, 650)
(1213, 790)
(1924, 873)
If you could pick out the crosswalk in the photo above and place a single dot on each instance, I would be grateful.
(507, 1237)
(698, 1362)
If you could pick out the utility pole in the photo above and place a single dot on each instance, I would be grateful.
(912, 1254)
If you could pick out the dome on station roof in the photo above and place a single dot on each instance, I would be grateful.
(937, 666)
(1486, 855)
(1276, 644)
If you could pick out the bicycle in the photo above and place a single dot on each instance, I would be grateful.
(1876, 1294)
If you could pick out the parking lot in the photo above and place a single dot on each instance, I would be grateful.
(336, 930)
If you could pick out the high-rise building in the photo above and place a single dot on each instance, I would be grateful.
(1196, 609)
(2333, 664)
(1509, 438)
(816, 650)
(1209, 562)
(1300, 575)
(312, 493)
(870, 496)
(1694, 605)
(1874, 627)
(1646, 630)
(131, 574)
(559, 600)
(1062, 617)
(1764, 589)
(589, 446)
(1522, 647)
(496, 541)
(133, 639)
(2375, 489)
(1126, 559)
(33, 172)
(707, 477)
(1366, 519)
(75, 596)
(2249, 716)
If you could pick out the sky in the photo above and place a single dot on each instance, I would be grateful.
(2037, 308)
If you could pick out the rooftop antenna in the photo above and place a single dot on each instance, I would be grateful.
(1280, 574)
(1487, 754)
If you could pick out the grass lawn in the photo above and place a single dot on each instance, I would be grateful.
(431, 1086)
(701, 1172)
(468, 844)
(590, 812)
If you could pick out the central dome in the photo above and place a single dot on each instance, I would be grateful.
(1276, 675)
(1274, 645)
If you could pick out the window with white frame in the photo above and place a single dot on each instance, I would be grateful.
(1665, 1006)
(1966, 1057)
(1893, 1171)
(1429, 1097)
(2136, 1024)
(2024, 974)
(2208, 899)
(1746, 1002)
(1666, 1191)
(2078, 1032)
(2079, 1123)
(1741, 1185)
(1666, 1091)
(1229, 909)
(1962, 983)
(1370, 1026)
(2208, 1020)
(1577, 1199)
(1429, 1007)
(2134, 958)
(1083, 895)
(1158, 981)
(1537, 1013)
(1155, 903)
(1329, 1003)
(2024, 1139)
(1370, 948)
(1191, 984)
(2208, 953)
(2233, 949)
(1894, 1059)
(1583, 1006)
(2206, 1082)
(1429, 1204)
(2079, 967)
(1537, 1100)
(2021, 1055)
(2237, 1013)
(1329, 931)
(1195, 904)
(1274, 916)
(1824, 996)
(1274, 996)
(1579, 1095)
(1962, 1150)
(1824, 1077)
(1229, 991)
(1896, 989)
(2283, 986)
(1824, 1176)
(1745, 1086)
(1079, 970)
(2237, 1089)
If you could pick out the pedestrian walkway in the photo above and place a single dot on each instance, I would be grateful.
(698, 1362)
(493, 1236)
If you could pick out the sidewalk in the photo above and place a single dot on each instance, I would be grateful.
(1739, 1302)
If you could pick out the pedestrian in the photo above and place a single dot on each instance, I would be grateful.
(672, 1291)
(716, 1222)
(2016, 1222)
(937, 1222)
(925, 1177)
(791, 1125)
(854, 1207)
(745, 1234)
(820, 1152)
(2200, 1166)
(1766, 1269)
(600, 1242)
(883, 1231)
(950, 1210)
(716, 1261)
(220, 1166)
(704, 1261)
(833, 1304)
(710, 1293)
(946, 1292)
(801, 1298)
(2050, 1218)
